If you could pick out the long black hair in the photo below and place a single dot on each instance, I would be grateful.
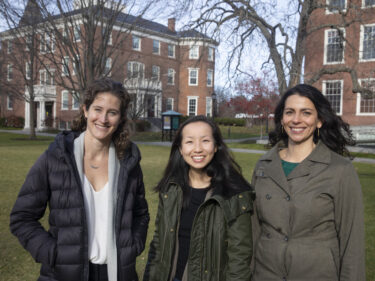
(334, 133)
(224, 171)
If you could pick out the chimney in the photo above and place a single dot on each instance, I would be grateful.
(171, 24)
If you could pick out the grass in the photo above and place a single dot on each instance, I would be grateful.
(18, 154)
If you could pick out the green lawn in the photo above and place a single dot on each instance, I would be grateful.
(18, 154)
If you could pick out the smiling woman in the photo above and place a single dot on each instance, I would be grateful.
(203, 227)
(308, 222)
(92, 181)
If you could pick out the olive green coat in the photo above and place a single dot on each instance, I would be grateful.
(220, 245)
(309, 225)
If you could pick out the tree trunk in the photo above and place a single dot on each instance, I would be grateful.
(32, 135)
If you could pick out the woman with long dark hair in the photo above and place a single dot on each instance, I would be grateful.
(92, 182)
(308, 222)
(203, 225)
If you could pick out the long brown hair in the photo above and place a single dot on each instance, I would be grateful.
(105, 85)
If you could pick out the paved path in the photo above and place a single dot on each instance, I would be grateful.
(242, 150)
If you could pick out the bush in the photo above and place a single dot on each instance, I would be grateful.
(12, 121)
(227, 121)
(141, 125)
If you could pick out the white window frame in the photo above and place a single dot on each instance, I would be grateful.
(135, 37)
(212, 77)
(194, 52)
(209, 106)
(9, 47)
(210, 54)
(341, 94)
(47, 77)
(64, 106)
(171, 102)
(196, 105)
(328, 11)
(158, 47)
(157, 72)
(28, 41)
(108, 67)
(362, 34)
(75, 100)
(10, 72)
(171, 73)
(110, 35)
(190, 77)
(10, 102)
(326, 44)
(359, 97)
(28, 70)
(75, 69)
(65, 66)
(140, 74)
(47, 43)
(366, 7)
(173, 48)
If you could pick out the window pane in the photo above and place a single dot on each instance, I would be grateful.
(208, 106)
(192, 106)
(136, 45)
(209, 77)
(155, 46)
(367, 104)
(64, 100)
(369, 42)
(335, 46)
(169, 105)
(170, 50)
(369, 3)
(333, 94)
(193, 73)
(336, 5)
(170, 76)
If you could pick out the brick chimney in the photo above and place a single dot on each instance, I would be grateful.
(172, 24)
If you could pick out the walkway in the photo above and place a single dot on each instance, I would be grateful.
(241, 150)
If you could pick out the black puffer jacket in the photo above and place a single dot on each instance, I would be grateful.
(63, 249)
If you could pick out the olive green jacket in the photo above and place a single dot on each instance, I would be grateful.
(221, 241)
(309, 225)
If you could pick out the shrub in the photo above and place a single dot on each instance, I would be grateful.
(141, 125)
(227, 121)
(3, 122)
(13, 121)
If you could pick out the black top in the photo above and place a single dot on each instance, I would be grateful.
(187, 216)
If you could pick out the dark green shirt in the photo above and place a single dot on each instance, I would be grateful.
(288, 166)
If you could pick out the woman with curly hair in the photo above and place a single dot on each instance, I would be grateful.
(308, 222)
(92, 182)
(203, 225)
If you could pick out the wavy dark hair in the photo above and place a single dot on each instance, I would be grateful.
(334, 133)
(105, 85)
(224, 171)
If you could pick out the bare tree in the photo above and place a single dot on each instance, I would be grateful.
(21, 54)
(278, 29)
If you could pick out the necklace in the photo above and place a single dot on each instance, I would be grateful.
(94, 167)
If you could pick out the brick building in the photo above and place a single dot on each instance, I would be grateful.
(347, 41)
(161, 68)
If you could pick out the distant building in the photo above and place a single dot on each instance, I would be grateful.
(326, 48)
(161, 68)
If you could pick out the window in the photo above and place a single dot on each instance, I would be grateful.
(77, 33)
(335, 6)
(192, 106)
(10, 102)
(211, 52)
(65, 66)
(194, 52)
(64, 100)
(367, 48)
(156, 47)
(193, 77)
(334, 46)
(171, 51)
(365, 103)
(75, 101)
(46, 77)
(108, 67)
(135, 70)
(171, 74)
(104, 34)
(136, 43)
(209, 106)
(368, 3)
(10, 72)
(47, 43)
(210, 75)
(76, 66)
(155, 75)
(10, 47)
(333, 92)
(28, 71)
(28, 41)
(169, 104)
